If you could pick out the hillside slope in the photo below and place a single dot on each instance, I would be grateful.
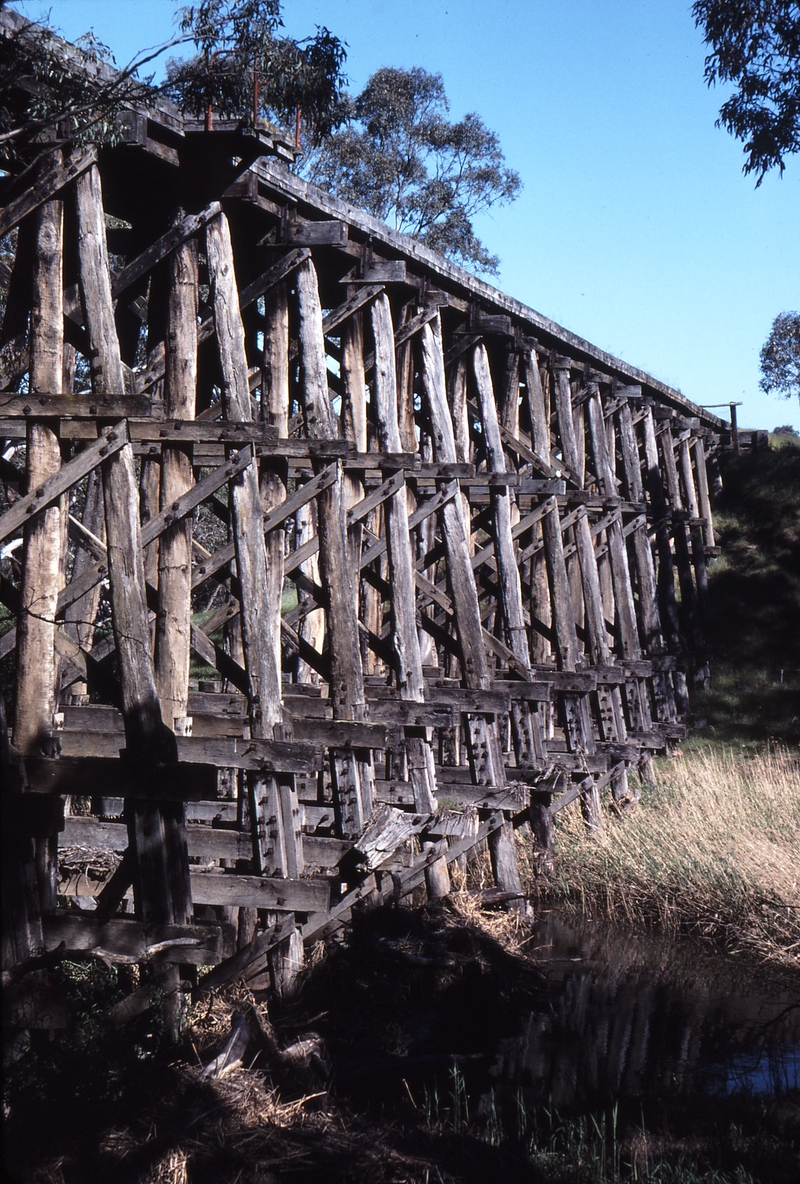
(752, 621)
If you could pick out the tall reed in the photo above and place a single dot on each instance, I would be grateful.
(714, 849)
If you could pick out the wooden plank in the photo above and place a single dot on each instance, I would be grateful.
(398, 713)
(257, 754)
(186, 431)
(205, 842)
(163, 246)
(121, 940)
(54, 405)
(532, 691)
(315, 233)
(162, 521)
(85, 831)
(56, 174)
(324, 851)
(394, 793)
(340, 733)
(217, 702)
(384, 271)
(270, 892)
(45, 493)
(94, 776)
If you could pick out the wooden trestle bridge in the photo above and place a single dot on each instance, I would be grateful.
(451, 557)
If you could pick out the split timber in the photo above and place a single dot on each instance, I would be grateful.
(436, 536)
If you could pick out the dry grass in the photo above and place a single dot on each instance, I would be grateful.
(714, 850)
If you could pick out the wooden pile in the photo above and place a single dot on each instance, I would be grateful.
(452, 558)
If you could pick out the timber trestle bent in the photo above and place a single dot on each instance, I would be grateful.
(327, 561)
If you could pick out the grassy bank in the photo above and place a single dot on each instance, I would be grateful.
(713, 851)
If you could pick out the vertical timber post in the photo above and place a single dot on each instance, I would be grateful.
(405, 639)
(352, 777)
(485, 752)
(161, 881)
(277, 845)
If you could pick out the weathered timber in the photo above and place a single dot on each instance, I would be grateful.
(112, 440)
(157, 835)
(205, 842)
(132, 941)
(261, 892)
(42, 553)
(268, 808)
(354, 793)
(248, 960)
(56, 173)
(408, 668)
(380, 886)
(126, 573)
(475, 669)
(470, 569)
(173, 619)
(526, 723)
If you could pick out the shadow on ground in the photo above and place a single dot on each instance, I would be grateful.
(378, 1071)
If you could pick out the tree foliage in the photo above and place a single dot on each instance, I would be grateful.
(755, 44)
(400, 158)
(243, 66)
(780, 357)
(44, 90)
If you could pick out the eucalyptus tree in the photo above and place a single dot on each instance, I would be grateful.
(399, 157)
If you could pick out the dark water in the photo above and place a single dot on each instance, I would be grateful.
(629, 1017)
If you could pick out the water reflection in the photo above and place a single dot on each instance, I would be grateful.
(772, 1071)
(632, 1018)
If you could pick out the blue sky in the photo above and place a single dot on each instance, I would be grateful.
(635, 227)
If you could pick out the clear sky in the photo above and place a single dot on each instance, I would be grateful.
(636, 228)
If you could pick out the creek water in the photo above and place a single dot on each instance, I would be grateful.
(629, 1017)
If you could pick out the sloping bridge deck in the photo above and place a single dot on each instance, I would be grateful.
(484, 517)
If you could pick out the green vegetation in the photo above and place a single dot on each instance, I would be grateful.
(780, 357)
(399, 157)
(752, 622)
(610, 1147)
(756, 48)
